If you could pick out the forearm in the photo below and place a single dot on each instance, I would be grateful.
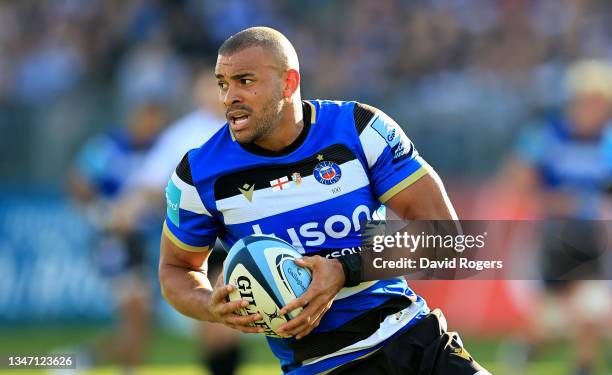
(188, 291)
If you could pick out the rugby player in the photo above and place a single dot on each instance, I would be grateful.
(309, 172)
(565, 160)
(97, 180)
(220, 352)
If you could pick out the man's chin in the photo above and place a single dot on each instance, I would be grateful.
(243, 137)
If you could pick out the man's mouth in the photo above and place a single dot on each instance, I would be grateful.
(239, 121)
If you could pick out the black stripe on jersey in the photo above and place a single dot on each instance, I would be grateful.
(232, 184)
(322, 343)
(363, 113)
(183, 170)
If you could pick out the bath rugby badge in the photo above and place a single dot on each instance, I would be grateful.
(327, 172)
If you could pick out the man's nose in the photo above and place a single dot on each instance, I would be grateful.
(231, 96)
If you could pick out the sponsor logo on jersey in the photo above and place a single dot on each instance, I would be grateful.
(390, 131)
(173, 200)
(327, 172)
(281, 183)
(340, 252)
(247, 191)
(461, 352)
(315, 233)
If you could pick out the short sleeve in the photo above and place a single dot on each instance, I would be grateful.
(94, 158)
(392, 159)
(189, 225)
(529, 145)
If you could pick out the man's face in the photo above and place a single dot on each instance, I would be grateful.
(590, 112)
(251, 89)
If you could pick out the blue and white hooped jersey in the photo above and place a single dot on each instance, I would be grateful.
(566, 163)
(316, 194)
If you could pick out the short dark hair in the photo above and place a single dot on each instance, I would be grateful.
(267, 38)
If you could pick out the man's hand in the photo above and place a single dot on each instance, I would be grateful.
(184, 284)
(327, 280)
(222, 311)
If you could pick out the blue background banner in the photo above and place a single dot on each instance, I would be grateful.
(46, 272)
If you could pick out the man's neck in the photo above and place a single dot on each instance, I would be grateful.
(287, 131)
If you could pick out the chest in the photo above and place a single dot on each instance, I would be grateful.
(320, 200)
(576, 164)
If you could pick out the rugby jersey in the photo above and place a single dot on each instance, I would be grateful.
(317, 194)
(581, 167)
(107, 159)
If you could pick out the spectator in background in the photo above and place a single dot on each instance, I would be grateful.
(152, 68)
(144, 197)
(53, 65)
(568, 159)
(99, 177)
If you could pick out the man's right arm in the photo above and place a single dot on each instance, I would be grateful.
(186, 287)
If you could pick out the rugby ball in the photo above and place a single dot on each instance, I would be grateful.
(263, 272)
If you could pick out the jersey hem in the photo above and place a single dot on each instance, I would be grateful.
(414, 177)
(181, 244)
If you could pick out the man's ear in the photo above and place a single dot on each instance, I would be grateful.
(292, 83)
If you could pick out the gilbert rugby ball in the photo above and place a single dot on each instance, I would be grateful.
(263, 272)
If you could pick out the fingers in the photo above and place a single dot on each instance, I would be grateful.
(308, 262)
(301, 262)
(307, 320)
(230, 307)
(224, 312)
(239, 320)
(296, 303)
(300, 328)
(315, 302)
(219, 293)
(219, 282)
(311, 293)
(246, 329)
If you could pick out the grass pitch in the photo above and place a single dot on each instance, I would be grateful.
(176, 354)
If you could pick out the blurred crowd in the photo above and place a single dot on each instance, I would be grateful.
(464, 78)
(447, 68)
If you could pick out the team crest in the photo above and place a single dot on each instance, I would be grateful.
(327, 172)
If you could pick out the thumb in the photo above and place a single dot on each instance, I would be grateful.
(303, 262)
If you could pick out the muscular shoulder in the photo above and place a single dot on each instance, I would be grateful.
(345, 113)
(212, 155)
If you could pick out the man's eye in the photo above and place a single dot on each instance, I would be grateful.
(222, 85)
(246, 81)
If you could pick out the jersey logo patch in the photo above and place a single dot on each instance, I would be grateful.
(247, 191)
(461, 352)
(296, 178)
(391, 134)
(173, 200)
(327, 172)
(281, 183)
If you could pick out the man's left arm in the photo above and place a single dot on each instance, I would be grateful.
(401, 180)
(425, 199)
